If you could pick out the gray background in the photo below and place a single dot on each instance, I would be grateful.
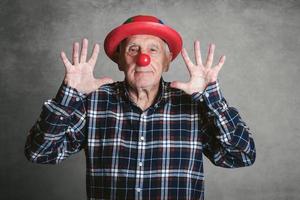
(260, 77)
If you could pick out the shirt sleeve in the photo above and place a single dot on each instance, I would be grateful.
(60, 129)
(227, 140)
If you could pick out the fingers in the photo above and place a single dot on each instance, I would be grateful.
(103, 81)
(65, 60)
(84, 50)
(179, 85)
(76, 53)
(197, 53)
(220, 64)
(187, 60)
(106, 80)
(92, 61)
(83, 54)
(210, 55)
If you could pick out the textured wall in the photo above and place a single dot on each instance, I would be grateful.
(261, 40)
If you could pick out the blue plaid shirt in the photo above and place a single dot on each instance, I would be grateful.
(135, 154)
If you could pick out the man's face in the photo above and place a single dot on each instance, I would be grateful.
(144, 76)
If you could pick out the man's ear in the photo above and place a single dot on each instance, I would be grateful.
(117, 58)
(121, 68)
(168, 61)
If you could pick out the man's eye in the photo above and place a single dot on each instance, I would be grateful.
(153, 50)
(133, 49)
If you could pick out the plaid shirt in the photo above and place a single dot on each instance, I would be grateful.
(135, 154)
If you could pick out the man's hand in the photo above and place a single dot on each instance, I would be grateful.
(79, 74)
(200, 74)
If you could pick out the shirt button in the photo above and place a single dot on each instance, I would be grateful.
(201, 99)
(138, 189)
(140, 164)
(77, 98)
(142, 138)
(61, 118)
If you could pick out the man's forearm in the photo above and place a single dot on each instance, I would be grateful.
(59, 131)
(233, 145)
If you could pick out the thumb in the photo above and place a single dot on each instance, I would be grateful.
(179, 85)
(105, 80)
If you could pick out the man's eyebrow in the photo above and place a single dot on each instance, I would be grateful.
(154, 45)
(149, 45)
(131, 44)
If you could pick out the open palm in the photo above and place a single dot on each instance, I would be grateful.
(80, 73)
(200, 74)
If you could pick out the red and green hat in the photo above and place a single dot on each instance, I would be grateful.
(142, 24)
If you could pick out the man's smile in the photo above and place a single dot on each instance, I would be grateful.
(142, 71)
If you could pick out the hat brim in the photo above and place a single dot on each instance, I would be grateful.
(169, 35)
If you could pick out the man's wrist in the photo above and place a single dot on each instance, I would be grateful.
(210, 94)
(68, 96)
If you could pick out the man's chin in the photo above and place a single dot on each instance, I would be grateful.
(144, 77)
(143, 73)
(145, 82)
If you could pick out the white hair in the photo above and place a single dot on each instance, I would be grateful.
(167, 49)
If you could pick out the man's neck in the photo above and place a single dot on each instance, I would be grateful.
(143, 97)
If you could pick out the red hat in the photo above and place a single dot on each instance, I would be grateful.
(142, 24)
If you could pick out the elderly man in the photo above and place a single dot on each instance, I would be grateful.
(143, 138)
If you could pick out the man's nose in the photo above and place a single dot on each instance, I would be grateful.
(143, 60)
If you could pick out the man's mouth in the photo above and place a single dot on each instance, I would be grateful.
(143, 71)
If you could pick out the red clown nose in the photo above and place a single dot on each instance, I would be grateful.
(143, 60)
